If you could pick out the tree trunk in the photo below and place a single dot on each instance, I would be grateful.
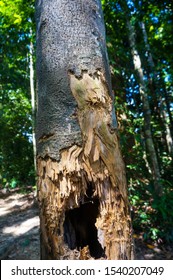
(155, 84)
(32, 90)
(167, 102)
(84, 210)
(146, 110)
(169, 141)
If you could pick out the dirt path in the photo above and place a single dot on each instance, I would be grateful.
(19, 227)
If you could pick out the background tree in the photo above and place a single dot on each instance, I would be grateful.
(82, 182)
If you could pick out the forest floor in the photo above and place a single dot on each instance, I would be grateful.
(19, 231)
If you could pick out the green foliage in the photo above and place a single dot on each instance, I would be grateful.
(164, 208)
(17, 13)
(152, 215)
(16, 162)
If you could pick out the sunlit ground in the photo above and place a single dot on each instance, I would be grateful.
(23, 227)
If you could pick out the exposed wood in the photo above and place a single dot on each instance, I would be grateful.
(96, 167)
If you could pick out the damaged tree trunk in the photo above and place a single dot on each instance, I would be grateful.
(84, 210)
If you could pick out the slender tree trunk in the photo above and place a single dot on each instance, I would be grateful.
(153, 81)
(146, 109)
(32, 90)
(168, 109)
(166, 98)
(84, 210)
(169, 141)
(147, 47)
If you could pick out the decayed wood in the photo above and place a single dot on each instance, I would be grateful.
(98, 162)
(81, 179)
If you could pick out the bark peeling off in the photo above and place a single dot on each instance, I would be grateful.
(95, 118)
(83, 197)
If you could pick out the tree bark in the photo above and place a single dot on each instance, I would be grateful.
(32, 90)
(84, 209)
(169, 140)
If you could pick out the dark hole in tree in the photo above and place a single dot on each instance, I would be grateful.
(80, 229)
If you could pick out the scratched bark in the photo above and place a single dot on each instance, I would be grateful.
(80, 168)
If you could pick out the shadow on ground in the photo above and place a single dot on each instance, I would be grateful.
(19, 227)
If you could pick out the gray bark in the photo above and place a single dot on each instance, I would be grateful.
(70, 39)
(169, 141)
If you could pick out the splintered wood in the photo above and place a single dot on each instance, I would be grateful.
(63, 185)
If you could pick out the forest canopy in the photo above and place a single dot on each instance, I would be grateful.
(140, 43)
